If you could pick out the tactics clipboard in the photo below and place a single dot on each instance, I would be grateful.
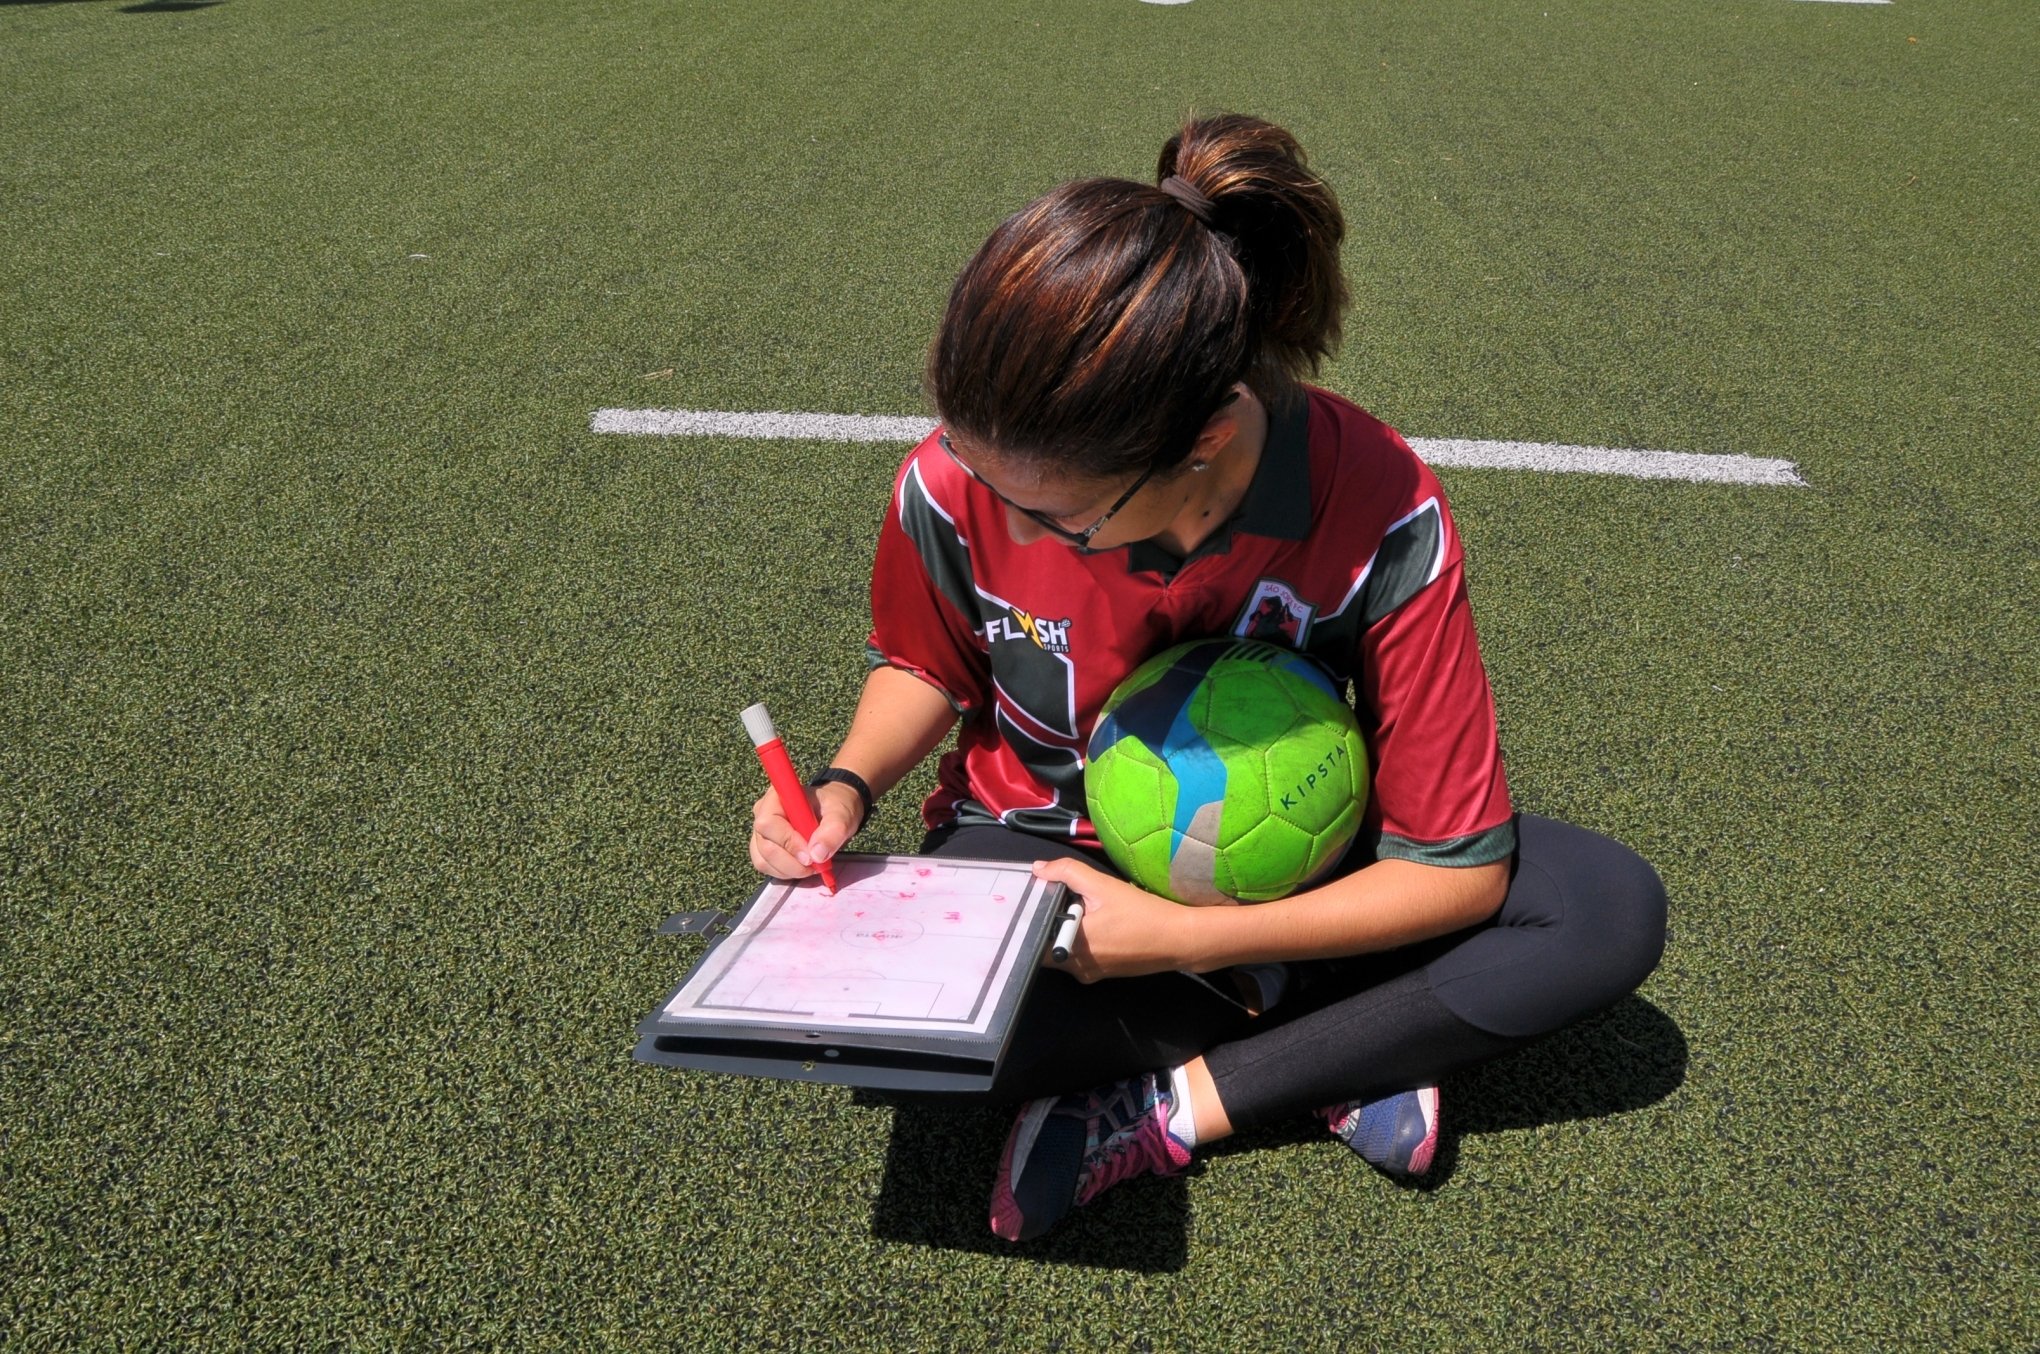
(908, 978)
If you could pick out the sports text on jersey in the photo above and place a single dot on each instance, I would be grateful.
(1053, 636)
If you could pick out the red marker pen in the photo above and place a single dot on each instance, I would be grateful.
(792, 794)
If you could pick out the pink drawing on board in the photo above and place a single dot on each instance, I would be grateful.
(889, 933)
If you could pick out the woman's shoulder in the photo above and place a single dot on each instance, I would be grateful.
(1355, 429)
(929, 479)
(1364, 457)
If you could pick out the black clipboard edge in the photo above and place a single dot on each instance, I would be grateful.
(875, 1069)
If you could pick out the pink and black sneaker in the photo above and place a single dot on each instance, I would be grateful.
(1067, 1150)
(1397, 1134)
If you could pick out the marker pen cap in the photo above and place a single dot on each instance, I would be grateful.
(758, 724)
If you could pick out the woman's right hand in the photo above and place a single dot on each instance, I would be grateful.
(776, 848)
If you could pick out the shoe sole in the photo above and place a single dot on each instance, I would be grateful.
(1420, 1159)
(1024, 1209)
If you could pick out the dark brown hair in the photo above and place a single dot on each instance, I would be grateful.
(1101, 325)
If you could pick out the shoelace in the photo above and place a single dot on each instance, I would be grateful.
(1121, 1150)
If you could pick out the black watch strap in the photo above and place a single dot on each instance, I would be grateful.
(836, 775)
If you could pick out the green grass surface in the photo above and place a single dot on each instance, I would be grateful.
(361, 713)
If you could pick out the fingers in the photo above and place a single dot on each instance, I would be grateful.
(778, 853)
(1085, 880)
(1080, 965)
(776, 849)
(1125, 931)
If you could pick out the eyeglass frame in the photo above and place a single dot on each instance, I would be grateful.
(1080, 539)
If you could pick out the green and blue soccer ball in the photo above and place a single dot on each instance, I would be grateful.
(1226, 770)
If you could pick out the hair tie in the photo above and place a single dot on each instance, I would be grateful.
(1193, 201)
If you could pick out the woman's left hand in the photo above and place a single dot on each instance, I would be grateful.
(1125, 931)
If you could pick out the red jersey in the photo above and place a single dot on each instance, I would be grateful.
(1342, 548)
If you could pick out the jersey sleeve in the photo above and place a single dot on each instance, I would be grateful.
(1438, 793)
(923, 599)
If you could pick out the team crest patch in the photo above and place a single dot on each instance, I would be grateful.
(1052, 636)
(1276, 614)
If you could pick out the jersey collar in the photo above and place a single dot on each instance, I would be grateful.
(1277, 503)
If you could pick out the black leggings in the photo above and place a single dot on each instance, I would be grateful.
(1582, 926)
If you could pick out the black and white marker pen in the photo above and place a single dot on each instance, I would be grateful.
(1066, 934)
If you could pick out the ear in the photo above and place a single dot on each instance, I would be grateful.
(1220, 429)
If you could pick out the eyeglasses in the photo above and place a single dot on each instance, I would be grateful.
(1080, 539)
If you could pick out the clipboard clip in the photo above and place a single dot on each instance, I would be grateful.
(705, 923)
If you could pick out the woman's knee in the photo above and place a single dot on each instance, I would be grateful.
(1637, 943)
(1613, 901)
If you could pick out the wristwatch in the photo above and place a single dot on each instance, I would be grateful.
(836, 775)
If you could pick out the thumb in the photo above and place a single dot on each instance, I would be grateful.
(835, 826)
(1079, 876)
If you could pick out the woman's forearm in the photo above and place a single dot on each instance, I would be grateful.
(900, 719)
(1388, 904)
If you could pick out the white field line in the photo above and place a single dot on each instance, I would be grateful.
(1640, 465)
(1852, 2)
(1448, 451)
(798, 427)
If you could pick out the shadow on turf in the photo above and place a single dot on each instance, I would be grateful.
(938, 1178)
(939, 1166)
(1621, 1059)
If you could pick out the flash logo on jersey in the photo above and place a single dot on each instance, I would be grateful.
(1051, 636)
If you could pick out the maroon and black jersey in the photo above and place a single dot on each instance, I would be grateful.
(1343, 549)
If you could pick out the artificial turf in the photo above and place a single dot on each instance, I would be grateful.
(362, 713)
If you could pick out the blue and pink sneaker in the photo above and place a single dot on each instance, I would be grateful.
(1397, 1134)
(1067, 1150)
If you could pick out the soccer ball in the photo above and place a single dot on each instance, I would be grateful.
(1226, 770)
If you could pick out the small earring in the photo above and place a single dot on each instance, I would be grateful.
(1199, 467)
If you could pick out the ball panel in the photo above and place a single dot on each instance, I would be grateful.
(1193, 873)
(1270, 861)
(1304, 673)
(1132, 786)
(1246, 795)
(1157, 668)
(1222, 877)
(1132, 799)
(1200, 774)
(1145, 859)
(1248, 708)
(1329, 847)
(1150, 701)
(1310, 777)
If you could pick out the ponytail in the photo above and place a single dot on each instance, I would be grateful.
(1101, 326)
(1286, 228)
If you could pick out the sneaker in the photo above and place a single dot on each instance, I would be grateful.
(1261, 985)
(1067, 1150)
(1397, 1134)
